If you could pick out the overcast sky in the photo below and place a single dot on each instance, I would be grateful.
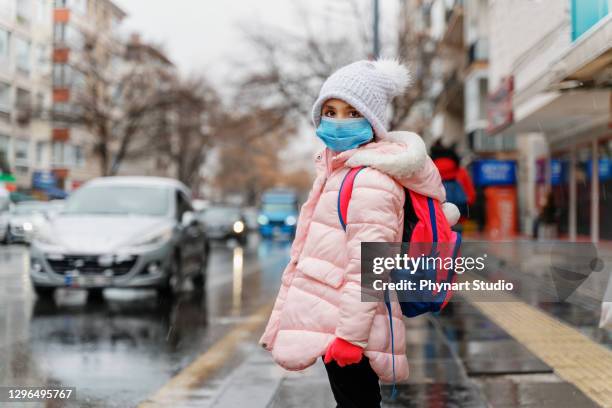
(206, 35)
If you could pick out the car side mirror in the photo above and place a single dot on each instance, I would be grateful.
(187, 219)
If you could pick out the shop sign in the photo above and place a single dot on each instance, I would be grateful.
(494, 172)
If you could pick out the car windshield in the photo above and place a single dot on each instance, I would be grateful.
(278, 207)
(220, 214)
(30, 208)
(120, 200)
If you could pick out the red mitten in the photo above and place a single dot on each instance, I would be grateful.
(343, 352)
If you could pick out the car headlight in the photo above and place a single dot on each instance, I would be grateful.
(153, 239)
(262, 220)
(290, 220)
(28, 227)
(238, 227)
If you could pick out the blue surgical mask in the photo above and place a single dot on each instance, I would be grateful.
(344, 134)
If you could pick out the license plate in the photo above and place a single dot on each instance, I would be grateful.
(87, 281)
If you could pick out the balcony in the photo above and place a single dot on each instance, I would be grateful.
(478, 51)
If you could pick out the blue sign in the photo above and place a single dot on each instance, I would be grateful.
(558, 171)
(605, 169)
(43, 180)
(494, 173)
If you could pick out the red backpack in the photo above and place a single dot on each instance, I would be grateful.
(425, 225)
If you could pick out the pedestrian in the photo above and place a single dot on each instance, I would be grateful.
(318, 311)
(456, 179)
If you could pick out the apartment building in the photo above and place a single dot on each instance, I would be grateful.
(25, 87)
(148, 56)
(528, 82)
(73, 159)
(552, 60)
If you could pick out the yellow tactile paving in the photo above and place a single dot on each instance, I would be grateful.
(573, 356)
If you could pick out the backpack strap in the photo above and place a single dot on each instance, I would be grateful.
(345, 193)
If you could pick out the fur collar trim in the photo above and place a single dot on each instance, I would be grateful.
(398, 162)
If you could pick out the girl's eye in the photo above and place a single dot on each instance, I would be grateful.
(354, 114)
(330, 114)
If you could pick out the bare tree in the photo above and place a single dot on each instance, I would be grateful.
(249, 146)
(117, 100)
(292, 67)
(188, 134)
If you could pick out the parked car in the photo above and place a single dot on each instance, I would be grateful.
(122, 232)
(224, 222)
(278, 213)
(5, 202)
(25, 218)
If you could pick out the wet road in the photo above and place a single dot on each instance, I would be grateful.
(118, 350)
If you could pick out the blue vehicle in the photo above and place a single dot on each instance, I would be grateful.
(278, 213)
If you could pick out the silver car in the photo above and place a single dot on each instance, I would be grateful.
(126, 232)
(24, 219)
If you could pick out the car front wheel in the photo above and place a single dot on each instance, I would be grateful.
(199, 279)
(44, 291)
(174, 281)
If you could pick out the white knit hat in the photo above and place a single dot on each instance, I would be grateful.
(369, 86)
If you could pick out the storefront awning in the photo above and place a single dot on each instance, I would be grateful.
(561, 114)
(568, 96)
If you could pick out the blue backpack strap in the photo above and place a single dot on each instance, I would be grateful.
(344, 197)
(388, 304)
(345, 193)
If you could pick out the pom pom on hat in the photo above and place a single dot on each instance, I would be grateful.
(396, 72)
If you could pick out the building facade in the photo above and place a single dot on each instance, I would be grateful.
(25, 87)
(528, 82)
(558, 57)
(75, 23)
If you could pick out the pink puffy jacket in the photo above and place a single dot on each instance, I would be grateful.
(320, 294)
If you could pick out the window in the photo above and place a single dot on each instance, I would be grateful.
(69, 157)
(23, 98)
(58, 153)
(67, 34)
(42, 57)
(79, 157)
(65, 154)
(5, 97)
(22, 53)
(62, 75)
(42, 11)
(4, 44)
(587, 13)
(80, 6)
(40, 101)
(24, 11)
(7, 8)
(41, 152)
(4, 153)
(21, 152)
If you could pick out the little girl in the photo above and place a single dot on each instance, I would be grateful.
(318, 311)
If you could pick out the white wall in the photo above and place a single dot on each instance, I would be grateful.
(515, 26)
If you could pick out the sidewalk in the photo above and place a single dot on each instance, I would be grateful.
(517, 353)
(460, 359)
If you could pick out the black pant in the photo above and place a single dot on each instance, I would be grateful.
(354, 385)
